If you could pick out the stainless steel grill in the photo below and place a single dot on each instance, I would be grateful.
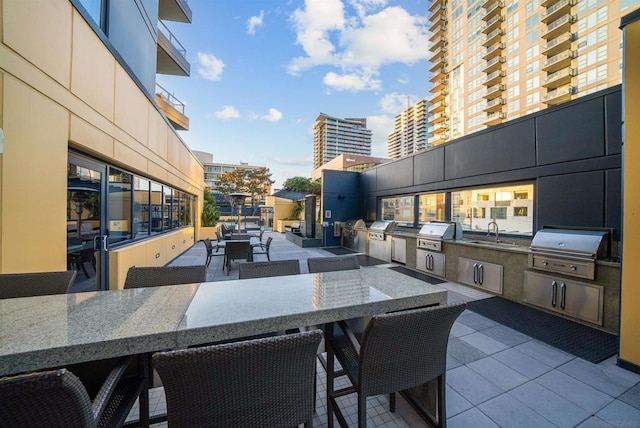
(349, 237)
(569, 251)
(379, 245)
(378, 229)
(432, 234)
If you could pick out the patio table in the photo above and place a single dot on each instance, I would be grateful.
(52, 331)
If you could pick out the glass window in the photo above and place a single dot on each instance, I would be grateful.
(119, 205)
(398, 209)
(156, 208)
(510, 206)
(430, 207)
(95, 9)
(168, 200)
(140, 207)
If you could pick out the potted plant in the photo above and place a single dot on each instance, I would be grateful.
(209, 217)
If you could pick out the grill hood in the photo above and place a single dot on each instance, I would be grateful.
(589, 244)
(383, 226)
(440, 230)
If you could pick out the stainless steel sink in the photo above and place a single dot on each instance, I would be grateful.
(493, 244)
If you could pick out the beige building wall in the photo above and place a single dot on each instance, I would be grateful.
(496, 60)
(61, 88)
(348, 163)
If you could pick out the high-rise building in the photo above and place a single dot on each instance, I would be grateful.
(411, 131)
(333, 137)
(496, 60)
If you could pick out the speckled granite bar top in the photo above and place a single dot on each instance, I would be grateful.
(50, 331)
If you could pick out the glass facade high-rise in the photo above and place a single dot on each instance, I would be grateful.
(333, 136)
(496, 60)
(411, 131)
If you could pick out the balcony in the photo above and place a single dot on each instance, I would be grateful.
(493, 10)
(493, 37)
(439, 96)
(493, 24)
(438, 74)
(438, 18)
(172, 108)
(493, 50)
(559, 78)
(438, 139)
(494, 118)
(437, 107)
(439, 63)
(174, 10)
(487, 3)
(559, 95)
(171, 55)
(436, 54)
(554, 12)
(494, 104)
(439, 85)
(558, 44)
(548, 3)
(494, 64)
(437, 31)
(436, 4)
(494, 91)
(558, 27)
(438, 117)
(440, 42)
(495, 77)
(438, 128)
(558, 61)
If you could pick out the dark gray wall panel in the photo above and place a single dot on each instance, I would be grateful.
(428, 167)
(575, 132)
(368, 180)
(396, 174)
(370, 209)
(571, 200)
(613, 207)
(341, 195)
(500, 149)
(613, 122)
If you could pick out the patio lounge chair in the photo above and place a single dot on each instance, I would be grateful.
(268, 269)
(138, 277)
(35, 284)
(330, 264)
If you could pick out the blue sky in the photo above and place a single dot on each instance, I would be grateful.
(262, 71)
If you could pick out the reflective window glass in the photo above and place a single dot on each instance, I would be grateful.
(119, 205)
(430, 207)
(140, 207)
(398, 209)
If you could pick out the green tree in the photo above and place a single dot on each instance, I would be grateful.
(302, 184)
(258, 181)
(210, 212)
(241, 180)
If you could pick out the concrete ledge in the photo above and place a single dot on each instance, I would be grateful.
(303, 242)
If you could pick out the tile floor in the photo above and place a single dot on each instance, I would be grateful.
(496, 377)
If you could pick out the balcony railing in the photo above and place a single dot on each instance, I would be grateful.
(438, 96)
(172, 39)
(493, 64)
(558, 26)
(437, 31)
(493, 50)
(438, 85)
(438, 117)
(494, 118)
(492, 24)
(437, 107)
(559, 95)
(438, 43)
(438, 128)
(493, 37)
(170, 98)
(438, 17)
(492, 10)
(438, 139)
(438, 62)
(438, 74)
(558, 61)
(558, 44)
(554, 11)
(494, 104)
(494, 77)
(436, 4)
(493, 91)
(560, 77)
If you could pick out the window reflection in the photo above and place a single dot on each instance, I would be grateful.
(141, 207)
(398, 209)
(156, 208)
(119, 205)
(431, 207)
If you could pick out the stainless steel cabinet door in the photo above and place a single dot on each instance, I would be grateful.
(398, 250)
(430, 262)
(480, 274)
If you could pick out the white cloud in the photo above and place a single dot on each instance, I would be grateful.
(351, 82)
(273, 115)
(227, 112)
(381, 126)
(403, 79)
(254, 23)
(395, 103)
(358, 45)
(210, 67)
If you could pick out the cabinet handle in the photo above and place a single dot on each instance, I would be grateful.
(432, 261)
(554, 294)
(563, 295)
(475, 273)
(481, 274)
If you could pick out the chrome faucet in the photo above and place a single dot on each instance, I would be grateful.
(495, 229)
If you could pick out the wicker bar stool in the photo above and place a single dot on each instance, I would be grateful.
(330, 264)
(268, 269)
(138, 277)
(35, 284)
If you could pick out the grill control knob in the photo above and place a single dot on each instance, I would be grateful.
(544, 263)
(572, 267)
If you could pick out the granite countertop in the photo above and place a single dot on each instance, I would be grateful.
(50, 331)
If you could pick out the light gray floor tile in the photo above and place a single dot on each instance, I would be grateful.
(632, 397)
(550, 405)
(484, 343)
(475, 321)
(473, 387)
(458, 330)
(610, 366)
(620, 414)
(594, 422)
(471, 418)
(464, 352)
(452, 363)
(593, 375)
(547, 354)
(522, 363)
(575, 391)
(506, 411)
(456, 403)
(506, 335)
(497, 373)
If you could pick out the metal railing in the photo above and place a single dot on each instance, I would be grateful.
(170, 98)
(172, 39)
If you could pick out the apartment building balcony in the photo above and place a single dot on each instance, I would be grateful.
(548, 3)
(171, 55)
(495, 77)
(492, 10)
(559, 78)
(558, 61)
(559, 44)
(494, 64)
(437, 107)
(488, 3)
(554, 12)
(494, 91)
(493, 24)
(440, 62)
(438, 117)
(174, 10)
(439, 85)
(438, 43)
(435, 4)
(437, 54)
(438, 139)
(438, 128)
(439, 17)
(172, 108)
(437, 31)
(494, 104)
(494, 118)
(493, 37)
(493, 50)
(559, 95)
(558, 27)
(438, 74)
(439, 96)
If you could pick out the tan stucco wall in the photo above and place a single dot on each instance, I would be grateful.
(630, 288)
(60, 87)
